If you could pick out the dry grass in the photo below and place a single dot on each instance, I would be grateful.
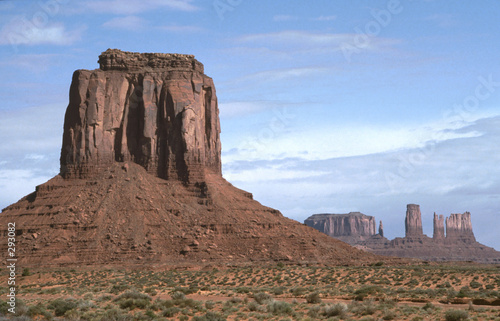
(424, 292)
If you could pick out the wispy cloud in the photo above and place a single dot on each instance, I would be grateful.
(281, 74)
(19, 32)
(312, 42)
(126, 23)
(452, 177)
(131, 7)
(325, 18)
(287, 18)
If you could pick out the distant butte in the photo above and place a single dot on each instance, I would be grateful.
(140, 181)
(458, 244)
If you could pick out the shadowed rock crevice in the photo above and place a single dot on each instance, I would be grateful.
(141, 184)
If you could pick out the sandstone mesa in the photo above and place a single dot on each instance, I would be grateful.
(140, 181)
(458, 244)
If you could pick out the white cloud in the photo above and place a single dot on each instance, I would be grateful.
(270, 174)
(286, 18)
(240, 108)
(127, 23)
(325, 18)
(23, 134)
(21, 32)
(347, 140)
(17, 183)
(315, 43)
(280, 74)
(131, 7)
(458, 174)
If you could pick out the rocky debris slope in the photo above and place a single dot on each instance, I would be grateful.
(459, 243)
(349, 228)
(141, 184)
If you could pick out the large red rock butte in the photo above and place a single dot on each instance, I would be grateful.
(140, 181)
(459, 243)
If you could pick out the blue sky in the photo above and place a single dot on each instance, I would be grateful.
(326, 106)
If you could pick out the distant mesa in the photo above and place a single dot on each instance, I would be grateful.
(140, 180)
(458, 244)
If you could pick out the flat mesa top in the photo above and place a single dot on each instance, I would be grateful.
(115, 59)
(351, 214)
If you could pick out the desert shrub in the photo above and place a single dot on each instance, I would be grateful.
(456, 315)
(253, 306)
(178, 296)
(61, 306)
(242, 289)
(475, 284)
(209, 305)
(38, 310)
(364, 308)
(278, 290)
(333, 310)
(4, 307)
(365, 291)
(429, 306)
(118, 288)
(26, 272)
(389, 315)
(298, 291)
(313, 298)
(189, 290)
(262, 297)
(210, 316)
(170, 312)
(464, 292)
(314, 311)
(115, 315)
(133, 300)
(279, 307)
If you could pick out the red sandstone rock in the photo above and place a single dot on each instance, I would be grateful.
(438, 227)
(413, 221)
(458, 245)
(459, 226)
(350, 228)
(141, 182)
(157, 110)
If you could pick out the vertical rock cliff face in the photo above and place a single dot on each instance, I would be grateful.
(157, 110)
(413, 221)
(381, 229)
(141, 183)
(438, 227)
(346, 227)
(459, 226)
